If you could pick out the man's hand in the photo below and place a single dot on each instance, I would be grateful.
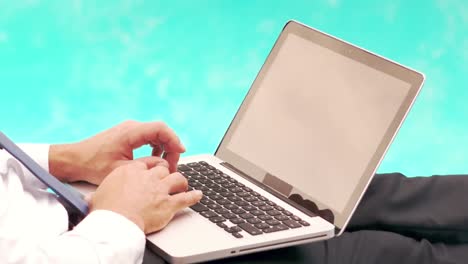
(148, 197)
(92, 159)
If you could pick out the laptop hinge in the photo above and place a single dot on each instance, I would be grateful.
(268, 189)
(337, 230)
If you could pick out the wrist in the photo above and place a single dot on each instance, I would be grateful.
(63, 160)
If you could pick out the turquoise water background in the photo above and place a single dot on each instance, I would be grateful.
(69, 69)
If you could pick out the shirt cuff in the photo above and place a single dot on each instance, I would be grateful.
(115, 236)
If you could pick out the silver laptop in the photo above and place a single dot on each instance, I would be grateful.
(299, 154)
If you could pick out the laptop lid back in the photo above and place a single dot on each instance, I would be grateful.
(318, 120)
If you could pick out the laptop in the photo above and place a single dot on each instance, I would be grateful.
(299, 153)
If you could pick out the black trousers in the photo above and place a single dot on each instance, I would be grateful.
(400, 220)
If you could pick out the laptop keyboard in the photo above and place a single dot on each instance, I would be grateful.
(234, 207)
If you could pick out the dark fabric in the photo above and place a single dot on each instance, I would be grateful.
(399, 220)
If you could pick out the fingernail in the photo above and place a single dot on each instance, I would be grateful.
(198, 193)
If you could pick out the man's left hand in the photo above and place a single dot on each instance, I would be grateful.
(93, 159)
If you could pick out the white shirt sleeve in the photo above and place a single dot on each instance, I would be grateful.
(33, 225)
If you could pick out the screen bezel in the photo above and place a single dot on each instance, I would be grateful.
(412, 77)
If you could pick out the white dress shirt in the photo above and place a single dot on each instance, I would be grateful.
(33, 225)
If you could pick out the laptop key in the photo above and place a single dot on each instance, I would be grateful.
(213, 177)
(203, 188)
(206, 201)
(251, 199)
(238, 211)
(222, 225)
(229, 185)
(304, 223)
(198, 207)
(266, 208)
(281, 218)
(218, 189)
(231, 216)
(214, 206)
(237, 235)
(208, 214)
(279, 208)
(282, 227)
(190, 173)
(262, 226)
(211, 185)
(233, 229)
(265, 217)
(200, 169)
(183, 167)
(258, 203)
(193, 164)
(243, 194)
(273, 212)
(292, 224)
(247, 189)
(223, 201)
(250, 229)
(216, 197)
(273, 222)
(263, 198)
(236, 190)
(275, 228)
(217, 219)
(237, 221)
(198, 177)
(296, 218)
(287, 213)
(254, 221)
(270, 203)
(194, 184)
(209, 193)
(231, 206)
(222, 211)
(241, 203)
(257, 212)
(249, 208)
(203, 180)
(246, 216)
(234, 199)
(256, 194)
(226, 194)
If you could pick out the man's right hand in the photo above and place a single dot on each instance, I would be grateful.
(147, 197)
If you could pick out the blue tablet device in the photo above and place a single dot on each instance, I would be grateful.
(76, 206)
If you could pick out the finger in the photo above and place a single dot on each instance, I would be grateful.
(175, 183)
(185, 199)
(136, 165)
(172, 158)
(159, 171)
(155, 133)
(152, 162)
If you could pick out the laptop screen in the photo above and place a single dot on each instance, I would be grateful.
(314, 122)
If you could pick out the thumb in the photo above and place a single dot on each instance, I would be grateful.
(153, 161)
(185, 199)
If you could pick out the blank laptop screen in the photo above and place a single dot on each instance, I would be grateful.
(316, 120)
